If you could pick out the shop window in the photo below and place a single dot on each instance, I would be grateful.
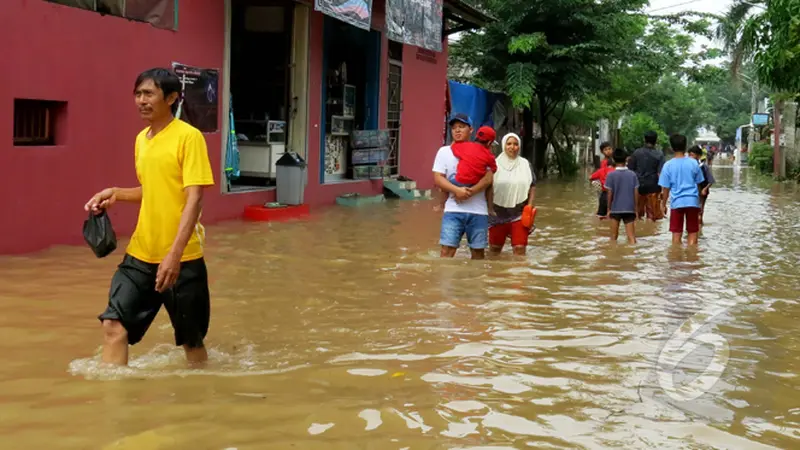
(261, 44)
(36, 122)
(351, 91)
(159, 13)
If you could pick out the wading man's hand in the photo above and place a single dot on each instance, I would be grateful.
(101, 201)
(168, 272)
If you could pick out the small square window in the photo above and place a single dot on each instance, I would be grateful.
(36, 122)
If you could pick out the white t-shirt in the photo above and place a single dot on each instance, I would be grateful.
(446, 163)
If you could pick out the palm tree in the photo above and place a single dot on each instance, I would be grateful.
(732, 30)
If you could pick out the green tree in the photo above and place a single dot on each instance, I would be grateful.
(634, 129)
(547, 54)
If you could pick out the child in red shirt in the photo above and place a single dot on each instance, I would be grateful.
(600, 176)
(474, 159)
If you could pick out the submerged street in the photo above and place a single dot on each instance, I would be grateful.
(347, 331)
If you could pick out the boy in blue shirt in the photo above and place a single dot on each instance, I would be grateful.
(623, 196)
(679, 179)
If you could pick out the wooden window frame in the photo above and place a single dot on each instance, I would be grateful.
(35, 122)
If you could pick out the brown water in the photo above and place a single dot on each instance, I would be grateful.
(347, 332)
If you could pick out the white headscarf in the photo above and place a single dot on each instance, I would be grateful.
(513, 179)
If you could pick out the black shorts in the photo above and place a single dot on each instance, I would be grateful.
(625, 217)
(134, 301)
(651, 189)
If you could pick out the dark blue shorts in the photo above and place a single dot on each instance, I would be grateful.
(456, 225)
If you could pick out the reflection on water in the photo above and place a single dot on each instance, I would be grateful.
(347, 331)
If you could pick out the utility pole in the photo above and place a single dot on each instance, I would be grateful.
(751, 136)
(777, 161)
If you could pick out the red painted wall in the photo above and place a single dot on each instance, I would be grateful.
(422, 119)
(90, 61)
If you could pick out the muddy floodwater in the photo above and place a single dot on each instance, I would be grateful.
(347, 332)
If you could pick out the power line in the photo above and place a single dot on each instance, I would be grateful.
(673, 6)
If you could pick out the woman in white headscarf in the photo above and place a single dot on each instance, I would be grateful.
(514, 188)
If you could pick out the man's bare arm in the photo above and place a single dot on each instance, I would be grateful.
(484, 184)
(133, 195)
(444, 184)
(191, 213)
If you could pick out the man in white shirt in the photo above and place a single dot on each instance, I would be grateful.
(466, 210)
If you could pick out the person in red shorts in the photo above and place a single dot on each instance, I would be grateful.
(474, 161)
(514, 188)
(679, 180)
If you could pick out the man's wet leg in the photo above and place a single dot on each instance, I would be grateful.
(115, 343)
(196, 356)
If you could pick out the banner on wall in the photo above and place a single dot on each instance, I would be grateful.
(415, 22)
(357, 13)
(199, 97)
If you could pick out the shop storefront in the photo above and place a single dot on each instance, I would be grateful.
(297, 75)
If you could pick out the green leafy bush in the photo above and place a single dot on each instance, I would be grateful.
(760, 157)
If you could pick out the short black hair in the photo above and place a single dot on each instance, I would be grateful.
(620, 156)
(678, 142)
(651, 137)
(605, 145)
(164, 79)
(696, 150)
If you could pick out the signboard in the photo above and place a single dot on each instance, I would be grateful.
(760, 120)
(415, 22)
(357, 13)
(199, 97)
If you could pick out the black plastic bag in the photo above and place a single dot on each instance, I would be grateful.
(99, 234)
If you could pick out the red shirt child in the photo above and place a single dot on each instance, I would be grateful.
(474, 158)
(602, 173)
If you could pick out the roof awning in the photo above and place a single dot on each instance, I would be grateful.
(459, 16)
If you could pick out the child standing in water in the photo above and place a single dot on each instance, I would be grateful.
(599, 178)
(679, 180)
(708, 179)
(474, 160)
(623, 197)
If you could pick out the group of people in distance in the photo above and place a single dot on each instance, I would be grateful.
(640, 185)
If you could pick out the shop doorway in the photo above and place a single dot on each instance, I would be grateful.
(395, 107)
(350, 93)
(261, 42)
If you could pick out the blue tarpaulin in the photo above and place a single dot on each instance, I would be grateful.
(476, 102)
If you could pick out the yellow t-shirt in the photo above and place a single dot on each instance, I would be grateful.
(172, 160)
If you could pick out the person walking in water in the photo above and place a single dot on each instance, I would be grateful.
(679, 179)
(514, 188)
(599, 178)
(466, 210)
(474, 159)
(696, 153)
(647, 162)
(623, 197)
(163, 264)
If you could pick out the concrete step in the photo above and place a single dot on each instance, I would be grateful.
(359, 200)
(405, 190)
(394, 185)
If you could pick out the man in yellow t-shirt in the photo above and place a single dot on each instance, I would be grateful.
(164, 261)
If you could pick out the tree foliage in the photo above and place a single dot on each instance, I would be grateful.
(548, 53)
(569, 63)
(766, 32)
